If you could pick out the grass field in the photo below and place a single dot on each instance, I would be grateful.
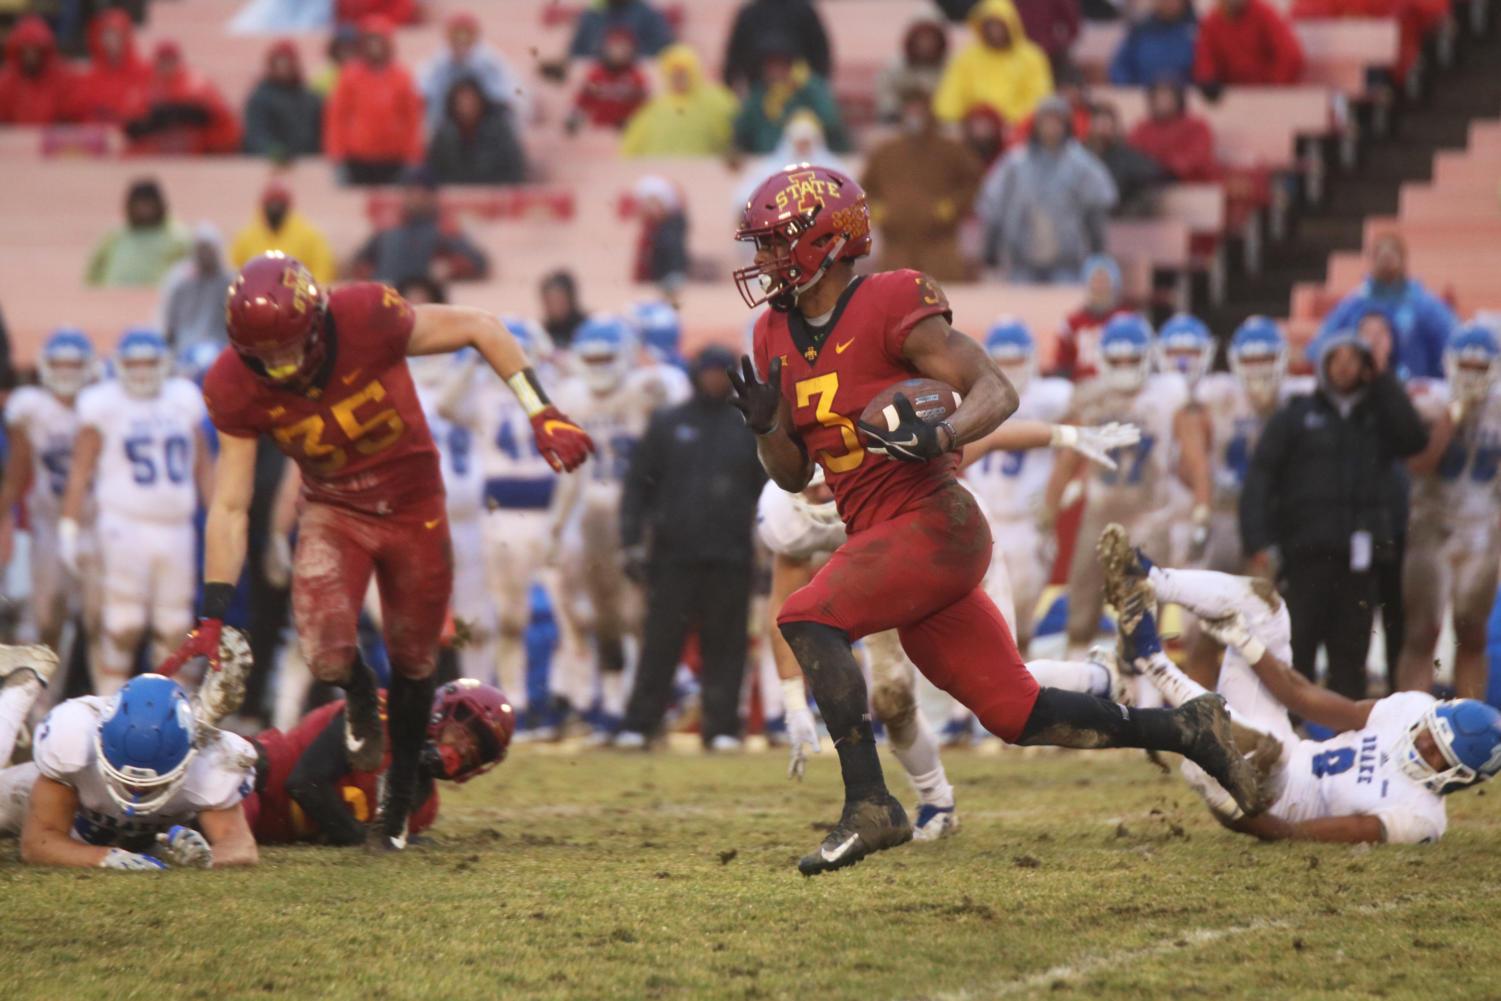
(599, 875)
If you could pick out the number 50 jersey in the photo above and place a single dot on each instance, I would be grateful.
(359, 436)
(147, 449)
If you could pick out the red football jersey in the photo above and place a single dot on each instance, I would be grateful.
(1079, 343)
(830, 382)
(360, 438)
(275, 818)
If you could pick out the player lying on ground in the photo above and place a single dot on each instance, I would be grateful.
(325, 375)
(1382, 778)
(306, 790)
(803, 530)
(918, 545)
(111, 779)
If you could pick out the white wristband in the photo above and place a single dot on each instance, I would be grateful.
(1200, 514)
(1253, 650)
(794, 695)
(526, 393)
(1064, 436)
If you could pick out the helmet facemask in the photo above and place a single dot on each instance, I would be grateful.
(1260, 374)
(779, 279)
(1125, 371)
(1471, 373)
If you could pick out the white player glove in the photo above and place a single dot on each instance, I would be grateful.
(1096, 443)
(119, 858)
(277, 562)
(1233, 631)
(185, 847)
(802, 732)
(67, 544)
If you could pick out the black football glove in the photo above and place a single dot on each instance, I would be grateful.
(914, 440)
(758, 402)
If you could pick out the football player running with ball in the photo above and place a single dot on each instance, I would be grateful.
(918, 545)
(325, 375)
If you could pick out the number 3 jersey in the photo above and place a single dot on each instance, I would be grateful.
(830, 374)
(50, 427)
(358, 435)
(1356, 772)
(147, 449)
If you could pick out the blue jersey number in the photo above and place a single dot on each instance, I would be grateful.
(1131, 463)
(142, 454)
(1483, 470)
(55, 461)
(1333, 762)
(615, 458)
(1005, 463)
(460, 449)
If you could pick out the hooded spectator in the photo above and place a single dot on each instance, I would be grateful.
(36, 84)
(476, 143)
(690, 117)
(614, 88)
(1135, 174)
(802, 142)
(283, 118)
(787, 85)
(798, 20)
(1420, 322)
(394, 12)
(1182, 143)
(373, 123)
(925, 48)
(192, 302)
(1078, 356)
(650, 29)
(343, 48)
(921, 185)
(141, 251)
(1000, 68)
(1245, 42)
(182, 111)
(1044, 204)
(1053, 25)
(115, 83)
(984, 132)
(467, 58)
(1158, 47)
(1416, 20)
(419, 245)
(561, 313)
(662, 248)
(278, 226)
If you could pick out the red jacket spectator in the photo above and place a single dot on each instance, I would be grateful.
(1181, 142)
(1415, 19)
(394, 11)
(36, 86)
(181, 111)
(373, 122)
(614, 87)
(115, 82)
(1246, 42)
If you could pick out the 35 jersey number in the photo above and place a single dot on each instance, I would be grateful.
(820, 392)
(368, 435)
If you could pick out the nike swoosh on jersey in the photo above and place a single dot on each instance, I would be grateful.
(839, 348)
(429, 525)
(839, 853)
(348, 380)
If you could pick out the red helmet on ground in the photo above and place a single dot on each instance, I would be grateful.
(806, 218)
(274, 313)
(470, 727)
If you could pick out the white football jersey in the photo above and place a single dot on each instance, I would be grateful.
(219, 776)
(1145, 477)
(1357, 773)
(1235, 430)
(148, 448)
(516, 477)
(1010, 485)
(50, 426)
(788, 531)
(616, 420)
(463, 480)
(1465, 486)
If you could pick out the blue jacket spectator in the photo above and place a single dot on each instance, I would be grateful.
(1160, 47)
(1421, 323)
(653, 33)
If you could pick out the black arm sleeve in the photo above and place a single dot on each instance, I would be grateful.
(1401, 427)
(314, 785)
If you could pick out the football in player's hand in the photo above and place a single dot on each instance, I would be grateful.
(934, 401)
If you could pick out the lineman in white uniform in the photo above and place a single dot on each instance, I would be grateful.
(42, 423)
(1452, 536)
(599, 606)
(445, 390)
(1380, 779)
(141, 449)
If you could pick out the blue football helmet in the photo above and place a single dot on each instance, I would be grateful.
(67, 361)
(142, 362)
(1468, 735)
(535, 342)
(194, 361)
(1010, 344)
(1471, 361)
(1258, 357)
(602, 344)
(1185, 346)
(1126, 352)
(145, 744)
(658, 328)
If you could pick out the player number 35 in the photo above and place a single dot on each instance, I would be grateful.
(368, 435)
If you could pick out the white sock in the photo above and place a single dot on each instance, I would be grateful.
(933, 788)
(612, 693)
(1206, 593)
(1071, 676)
(919, 759)
(770, 682)
(1175, 686)
(510, 665)
(16, 700)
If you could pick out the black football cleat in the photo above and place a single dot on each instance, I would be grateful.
(1210, 743)
(867, 826)
(364, 733)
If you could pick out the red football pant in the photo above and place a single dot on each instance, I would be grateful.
(337, 552)
(919, 573)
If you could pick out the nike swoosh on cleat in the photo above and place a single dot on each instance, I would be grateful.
(839, 853)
